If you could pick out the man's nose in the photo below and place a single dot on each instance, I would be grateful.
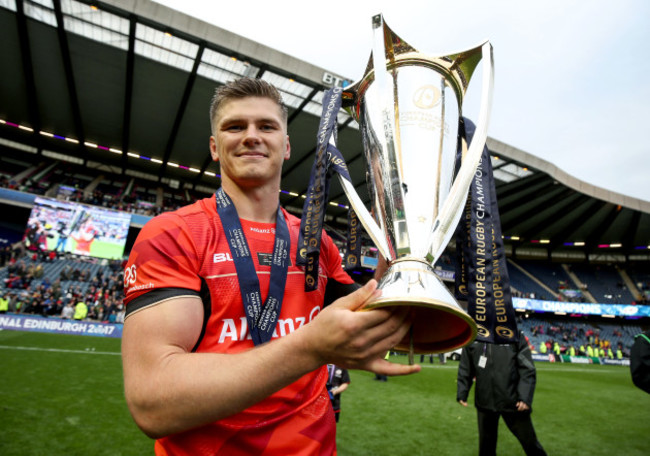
(252, 135)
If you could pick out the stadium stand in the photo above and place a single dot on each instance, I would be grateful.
(525, 285)
(552, 275)
(37, 284)
(640, 277)
(578, 332)
(603, 282)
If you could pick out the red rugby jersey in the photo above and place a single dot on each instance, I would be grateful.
(185, 253)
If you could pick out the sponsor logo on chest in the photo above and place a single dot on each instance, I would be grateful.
(264, 259)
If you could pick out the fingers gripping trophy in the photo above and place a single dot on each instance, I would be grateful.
(409, 106)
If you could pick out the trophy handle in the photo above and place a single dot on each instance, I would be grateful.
(366, 219)
(447, 220)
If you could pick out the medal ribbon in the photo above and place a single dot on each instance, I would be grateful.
(262, 319)
(328, 159)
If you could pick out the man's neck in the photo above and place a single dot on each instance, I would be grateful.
(256, 204)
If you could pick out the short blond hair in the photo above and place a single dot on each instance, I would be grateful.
(243, 88)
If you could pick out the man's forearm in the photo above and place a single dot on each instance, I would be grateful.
(185, 390)
(170, 389)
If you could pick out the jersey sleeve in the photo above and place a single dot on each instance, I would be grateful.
(339, 282)
(334, 264)
(163, 264)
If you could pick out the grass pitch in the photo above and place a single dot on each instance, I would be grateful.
(577, 410)
(63, 395)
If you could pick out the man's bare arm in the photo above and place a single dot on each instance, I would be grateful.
(169, 389)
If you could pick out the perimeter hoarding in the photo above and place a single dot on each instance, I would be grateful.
(582, 308)
(33, 323)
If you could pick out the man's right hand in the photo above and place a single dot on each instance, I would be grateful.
(344, 335)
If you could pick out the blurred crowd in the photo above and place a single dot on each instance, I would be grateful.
(27, 286)
(581, 339)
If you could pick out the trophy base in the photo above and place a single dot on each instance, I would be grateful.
(439, 324)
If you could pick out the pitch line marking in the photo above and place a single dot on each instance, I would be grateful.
(58, 350)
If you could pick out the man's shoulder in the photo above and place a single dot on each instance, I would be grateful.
(206, 206)
(200, 209)
(292, 221)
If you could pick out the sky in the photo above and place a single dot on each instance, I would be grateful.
(572, 81)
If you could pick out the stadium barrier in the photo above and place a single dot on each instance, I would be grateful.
(551, 358)
(59, 326)
(582, 308)
(545, 358)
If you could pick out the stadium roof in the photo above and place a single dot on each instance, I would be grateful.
(125, 86)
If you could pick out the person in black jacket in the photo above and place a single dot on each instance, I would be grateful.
(640, 361)
(505, 383)
(338, 380)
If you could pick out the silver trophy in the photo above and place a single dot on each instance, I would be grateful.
(408, 106)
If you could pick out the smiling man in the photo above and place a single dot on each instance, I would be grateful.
(250, 142)
(223, 350)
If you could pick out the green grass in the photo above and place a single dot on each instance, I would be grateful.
(64, 402)
(62, 395)
(578, 409)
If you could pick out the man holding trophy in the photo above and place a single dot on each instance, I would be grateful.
(210, 370)
(209, 364)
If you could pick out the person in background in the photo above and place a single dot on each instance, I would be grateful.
(504, 387)
(62, 240)
(68, 311)
(338, 380)
(640, 361)
(80, 311)
(557, 351)
(84, 237)
(4, 303)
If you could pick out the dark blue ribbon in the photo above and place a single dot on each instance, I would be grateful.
(481, 270)
(328, 159)
(262, 319)
(353, 244)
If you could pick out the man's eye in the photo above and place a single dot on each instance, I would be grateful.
(268, 127)
(234, 128)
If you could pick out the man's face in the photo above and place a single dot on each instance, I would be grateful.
(250, 141)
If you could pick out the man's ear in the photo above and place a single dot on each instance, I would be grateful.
(214, 153)
(287, 153)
